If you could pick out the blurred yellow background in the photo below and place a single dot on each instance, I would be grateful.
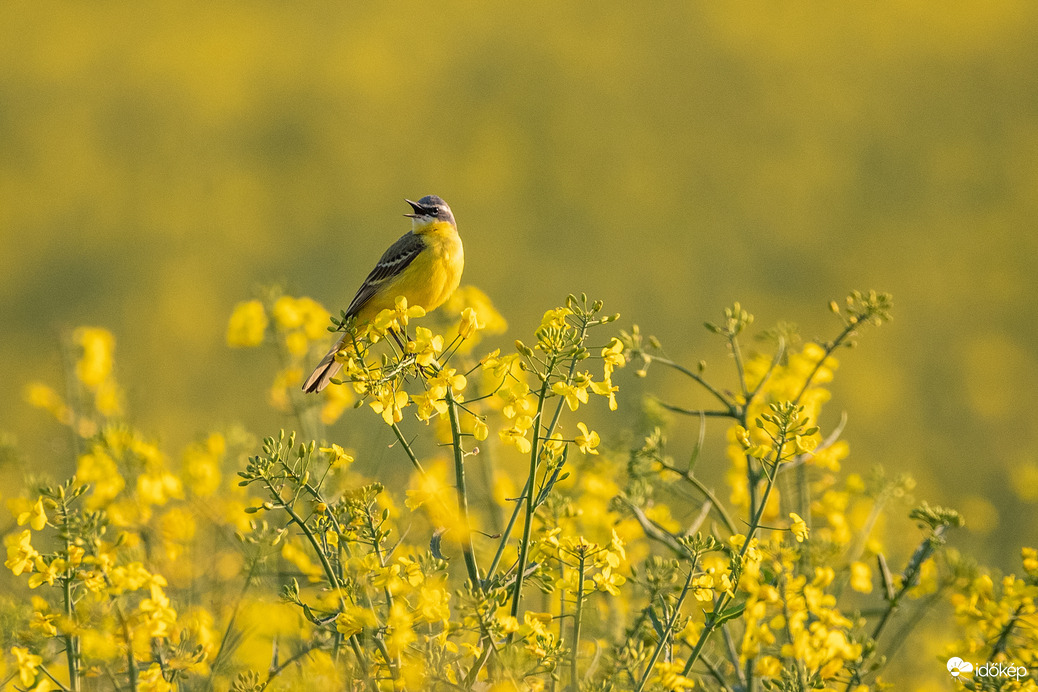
(159, 161)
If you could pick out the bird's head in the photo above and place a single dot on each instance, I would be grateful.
(429, 211)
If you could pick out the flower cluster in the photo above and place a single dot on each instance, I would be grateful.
(527, 553)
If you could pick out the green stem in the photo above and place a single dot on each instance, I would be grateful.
(721, 511)
(508, 531)
(72, 641)
(909, 579)
(131, 662)
(463, 503)
(699, 379)
(528, 488)
(298, 520)
(328, 571)
(733, 342)
(665, 636)
(576, 622)
(725, 599)
(407, 448)
(43, 669)
(524, 546)
(286, 663)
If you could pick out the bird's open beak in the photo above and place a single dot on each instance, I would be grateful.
(418, 211)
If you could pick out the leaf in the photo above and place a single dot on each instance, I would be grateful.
(731, 612)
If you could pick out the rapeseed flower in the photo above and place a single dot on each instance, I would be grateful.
(248, 325)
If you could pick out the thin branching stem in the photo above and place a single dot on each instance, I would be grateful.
(524, 546)
(699, 379)
(707, 493)
(463, 502)
(668, 631)
(577, 618)
(407, 448)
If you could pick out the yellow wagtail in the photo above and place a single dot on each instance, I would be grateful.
(424, 266)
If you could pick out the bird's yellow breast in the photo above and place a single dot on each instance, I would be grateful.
(430, 278)
(440, 266)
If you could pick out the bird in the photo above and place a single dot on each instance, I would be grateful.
(424, 266)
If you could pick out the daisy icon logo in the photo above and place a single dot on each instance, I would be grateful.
(956, 666)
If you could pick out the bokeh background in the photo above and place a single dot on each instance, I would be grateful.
(160, 161)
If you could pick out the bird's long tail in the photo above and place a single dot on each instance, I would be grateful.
(325, 371)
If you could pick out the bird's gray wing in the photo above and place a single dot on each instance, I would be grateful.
(393, 261)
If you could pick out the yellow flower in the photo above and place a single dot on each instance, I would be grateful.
(703, 587)
(399, 630)
(108, 399)
(95, 364)
(151, 680)
(574, 395)
(158, 488)
(432, 604)
(27, 664)
(131, 577)
(497, 365)
(160, 616)
(616, 553)
(541, 638)
(769, 667)
(286, 313)
(395, 318)
(44, 624)
(390, 404)
(353, 620)
(429, 406)
(177, 526)
(21, 556)
(315, 318)
(555, 319)
(337, 456)
(284, 381)
(805, 445)
(202, 465)
(36, 517)
(43, 397)
(470, 323)
(471, 298)
(1030, 560)
(613, 357)
(506, 623)
(480, 430)
(516, 435)
(861, 577)
(606, 389)
(430, 489)
(671, 677)
(538, 622)
(99, 470)
(587, 440)
(247, 325)
(516, 398)
(46, 573)
(609, 582)
(447, 377)
(798, 527)
(425, 346)
(296, 344)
